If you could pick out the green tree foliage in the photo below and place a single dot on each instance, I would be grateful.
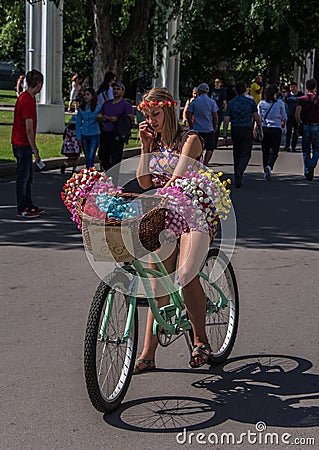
(282, 31)
(77, 41)
(220, 38)
(232, 39)
(12, 34)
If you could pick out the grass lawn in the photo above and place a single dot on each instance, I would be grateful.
(49, 144)
(7, 97)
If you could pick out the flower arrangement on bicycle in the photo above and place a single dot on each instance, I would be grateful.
(91, 186)
(196, 200)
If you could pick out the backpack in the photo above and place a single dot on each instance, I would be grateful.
(123, 127)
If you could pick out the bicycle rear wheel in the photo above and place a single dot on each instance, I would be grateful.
(108, 360)
(221, 326)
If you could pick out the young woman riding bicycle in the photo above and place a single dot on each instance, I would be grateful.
(166, 154)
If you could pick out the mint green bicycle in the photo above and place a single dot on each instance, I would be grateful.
(112, 326)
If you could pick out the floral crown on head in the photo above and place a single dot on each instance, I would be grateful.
(153, 103)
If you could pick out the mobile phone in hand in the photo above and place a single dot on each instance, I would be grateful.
(40, 164)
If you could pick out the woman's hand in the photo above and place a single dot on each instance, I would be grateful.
(146, 135)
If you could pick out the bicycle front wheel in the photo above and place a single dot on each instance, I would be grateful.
(221, 325)
(109, 357)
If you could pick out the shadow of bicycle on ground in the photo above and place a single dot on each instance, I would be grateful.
(274, 389)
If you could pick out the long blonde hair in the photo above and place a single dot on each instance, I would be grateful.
(171, 127)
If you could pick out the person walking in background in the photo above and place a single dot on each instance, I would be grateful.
(86, 82)
(247, 93)
(194, 95)
(144, 84)
(307, 112)
(105, 91)
(292, 126)
(80, 86)
(73, 93)
(273, 116)
(241, 112)
(204, 110)
(256, 89)
(219, 95)
(111, 148)
(87, 128)
(230, 91)
(282, 93)
(70, 147)
(20, 85)
(24, 144)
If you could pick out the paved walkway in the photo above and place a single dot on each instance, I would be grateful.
(272, 375)
(8, 169)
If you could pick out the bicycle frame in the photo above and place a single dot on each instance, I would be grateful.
(111, 337)
(162, 316)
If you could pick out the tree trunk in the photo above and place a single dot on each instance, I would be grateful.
(274, 70)
(111, 51)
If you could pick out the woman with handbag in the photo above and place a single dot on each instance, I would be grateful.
(273, 116)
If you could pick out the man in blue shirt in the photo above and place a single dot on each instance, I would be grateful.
(242, 112)
(219, 95)
(292, 125)
(204, 110)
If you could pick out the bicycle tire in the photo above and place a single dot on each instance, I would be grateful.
(108, 366)
(221, 326)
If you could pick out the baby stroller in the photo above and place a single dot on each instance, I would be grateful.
(70, 147)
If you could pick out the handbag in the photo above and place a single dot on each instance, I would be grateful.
(123, 127)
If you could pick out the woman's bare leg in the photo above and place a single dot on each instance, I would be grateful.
(150, 339)
(193, 250)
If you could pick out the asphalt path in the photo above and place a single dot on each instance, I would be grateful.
(271, 378)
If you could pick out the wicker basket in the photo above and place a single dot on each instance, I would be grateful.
(124, 240)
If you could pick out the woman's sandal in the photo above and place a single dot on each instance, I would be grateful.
(149, 365)
(200, 356)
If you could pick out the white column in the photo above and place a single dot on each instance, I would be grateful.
(162, 78)
(306, 71)
(170, 67)
(44, 38)
(170, 57)
(58, 99)
(33, 32)
(173, 62)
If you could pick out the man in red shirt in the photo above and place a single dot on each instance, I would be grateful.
(307, 112)
(23, 143)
